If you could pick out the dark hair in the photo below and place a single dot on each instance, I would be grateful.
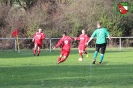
(100, 23)
(84, 29)
(64, 33)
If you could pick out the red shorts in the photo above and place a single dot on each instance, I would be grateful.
(81, 48)
(39, 44)
(65, 53)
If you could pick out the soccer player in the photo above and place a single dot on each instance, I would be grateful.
(100, 33)
(37, 39)
(82, 44)
(65, 41)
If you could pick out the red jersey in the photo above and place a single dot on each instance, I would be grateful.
(65, 42)
(83, 39)
(39, 37)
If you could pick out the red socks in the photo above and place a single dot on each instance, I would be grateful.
(85, 52)
(63, 60)
(38, 51)
(59, 59)
(34, 51)
(81, 55)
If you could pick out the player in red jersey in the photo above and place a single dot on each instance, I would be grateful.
(37, 39)
(65, 41)
(82, 44)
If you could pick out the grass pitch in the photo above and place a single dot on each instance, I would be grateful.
(23, 70)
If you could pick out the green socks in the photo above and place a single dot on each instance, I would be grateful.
(101, 57)
(95, 54)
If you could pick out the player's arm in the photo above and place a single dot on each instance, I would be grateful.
(86, 39)
(71, 38)
(89, 40)
(58, 44)
(92, 36)
(109, 37)
(78, 38)
(33, 39)
(43, 36)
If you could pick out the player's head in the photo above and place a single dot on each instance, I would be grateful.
(83, 31)
(64, 33)
(99, 24)
(40, 30)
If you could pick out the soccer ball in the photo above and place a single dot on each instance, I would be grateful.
(80, 59)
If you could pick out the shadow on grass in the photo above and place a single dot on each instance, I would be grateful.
(68, 76)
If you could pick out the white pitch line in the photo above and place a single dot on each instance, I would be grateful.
(90, 75)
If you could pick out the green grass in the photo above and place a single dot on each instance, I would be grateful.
(23, 70)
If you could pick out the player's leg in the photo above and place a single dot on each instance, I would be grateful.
(85, 52)
(34, 50)
(80, 51)
(60, 56)
(39, 49)
(66, 54)
(96, 52)
(63, 59)
(103, 48)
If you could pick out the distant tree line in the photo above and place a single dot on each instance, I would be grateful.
(55, 16)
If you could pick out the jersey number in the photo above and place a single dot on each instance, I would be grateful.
(66, 42)
(100, 32)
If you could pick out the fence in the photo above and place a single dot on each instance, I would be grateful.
(127, 40)
(11, 43)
